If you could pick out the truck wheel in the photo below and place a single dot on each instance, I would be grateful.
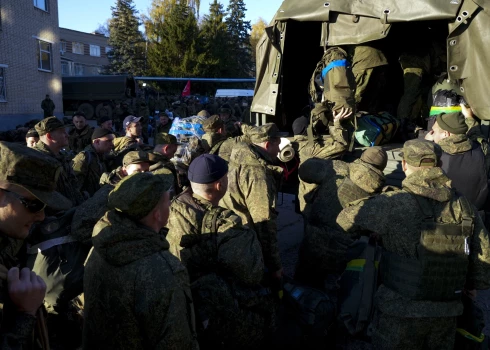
(99, 107)
(88, 109)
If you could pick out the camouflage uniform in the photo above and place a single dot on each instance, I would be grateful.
(137, 294)
(233, 256)
(67, 183)
(397, 217)
(111, 178)
(123, 143)
(162, 162)
(212, 141)
(253, 184)
(88, 168)
(79, 139)
(332, 185)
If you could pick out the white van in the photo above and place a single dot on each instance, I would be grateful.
(234, 93)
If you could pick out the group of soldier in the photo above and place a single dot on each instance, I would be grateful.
(177, 259)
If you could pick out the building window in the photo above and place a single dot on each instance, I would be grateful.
(44, 56)
(41, 4)
(63, 47)
(3, 88)
(77, 48)
(78, 69)
(94, 50)
(65, 68)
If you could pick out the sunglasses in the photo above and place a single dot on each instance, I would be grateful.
(32, 205)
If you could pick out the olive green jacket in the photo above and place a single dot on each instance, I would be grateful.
(88, 168)
(80, 139)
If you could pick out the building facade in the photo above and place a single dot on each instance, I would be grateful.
(82, 53)
(30, 65)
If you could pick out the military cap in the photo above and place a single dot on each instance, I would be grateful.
(452, 122)
(136, 157)
(213, 123)
(265, 133)
(32, 133)
(376, 156)
(226, 108)
(48, 125)
(167, 139)
(203, 113)
(130, 119)
(33, 171)
(100, 132)
(138, 194)
(421, 153)
(207, 168)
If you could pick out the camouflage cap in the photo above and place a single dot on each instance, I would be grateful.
(376, 156)
(166, 139)
(203, 113)
(32, 133)
(421, 153)
(265, 133)
(136, 157)
(137, 195)
(213, 123)
(48, 125)
(34, 171)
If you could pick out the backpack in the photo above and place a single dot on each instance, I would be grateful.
(358, 284)
(375, 129)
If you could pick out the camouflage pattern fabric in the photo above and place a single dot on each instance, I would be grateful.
(162, 162)
(234, 255)
(455, 144)
(17, 328)
(112, 178)
(231, 129)
(253, 185)
(88, 169)
(210, 139)
(396, 217)
(123, 143)
(475, 134)
(392, 332)
(137, 294)
(335, 184)
(67, 183)
(79, 139)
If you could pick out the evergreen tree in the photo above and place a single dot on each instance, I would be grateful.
(240, 51)
(127, 55)
(214, 44)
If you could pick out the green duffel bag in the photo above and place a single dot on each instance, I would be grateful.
(375, 129)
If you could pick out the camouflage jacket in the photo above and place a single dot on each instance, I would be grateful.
(231, 129)
(234, 250)
(224, 149)
(17, 327)
(137, 294)
(396, 217)
(67, 183)
(112, 178)
(253, 185)
(78, 140)
(210, 140)
(332, 184)
(88, 167)
(123, 143)
(162, 162)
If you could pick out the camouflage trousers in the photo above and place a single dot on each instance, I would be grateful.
(392, 332)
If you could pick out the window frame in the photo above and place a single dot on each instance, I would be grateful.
(3, 74)
(77, 66)
(75, 44)
(40, 52)
(63, 46)
(46, 5)
(92, 46)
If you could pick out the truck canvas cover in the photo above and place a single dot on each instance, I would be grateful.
(320, 24)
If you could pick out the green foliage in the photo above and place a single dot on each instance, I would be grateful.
(240, 52)
(127, 55)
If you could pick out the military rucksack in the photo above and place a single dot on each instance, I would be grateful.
(358, 285)
(375, 129)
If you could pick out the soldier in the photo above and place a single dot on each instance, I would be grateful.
(331, 186)
(52, 139)
(48, 107)
(32, 137)
(436, 248)
(223, 275)
(133, 162)
(106, 123)
(81, 135)
(133, 129)
(27, 183)
(226, 115)
(462, 160)
(163, 126)
(254, 182)
(88, 165)
(137, 294)
(161, 156)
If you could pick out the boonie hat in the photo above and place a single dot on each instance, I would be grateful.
(136, 157)
(130, 119)
(376, 156)
(265, 133)
(213, 123)
(453, 122)
(421, 153)
(138, 194)
(206, 169)
(33, 171)
(48, 125)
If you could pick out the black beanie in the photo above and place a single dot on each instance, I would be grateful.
(300, 125)
(452, 122)
(99, 133)
(206, 169)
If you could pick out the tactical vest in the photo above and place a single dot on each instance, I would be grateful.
(439, 271)
(349, 192)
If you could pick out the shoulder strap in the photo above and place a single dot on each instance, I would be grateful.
(216, 147)
(467, 221)
(209, 222)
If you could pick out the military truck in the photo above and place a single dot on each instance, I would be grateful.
(92, 93)
(453, 33)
